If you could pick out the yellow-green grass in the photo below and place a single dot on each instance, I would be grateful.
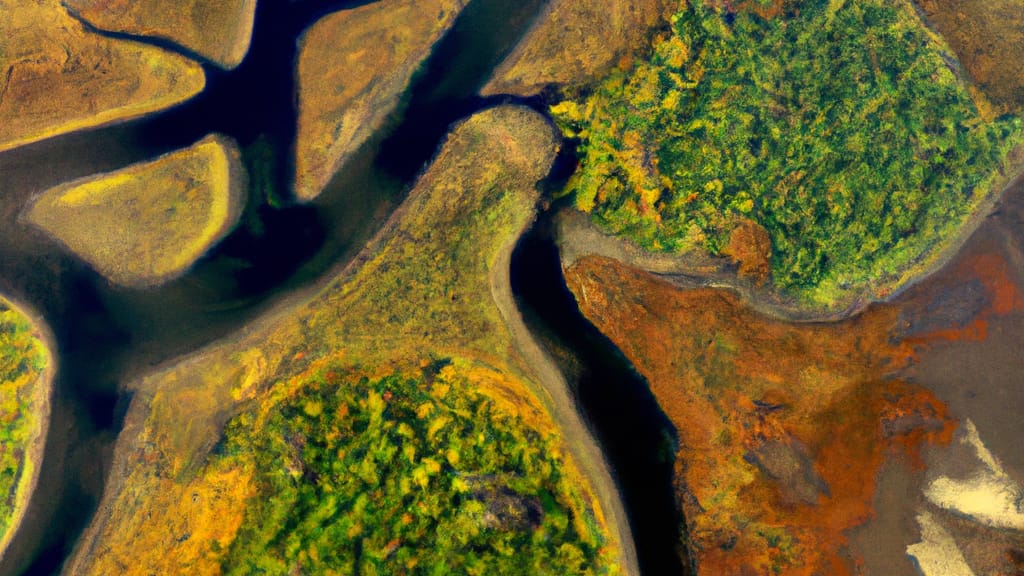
(575, 42)
(841, 129)
(26, 370)
(149, 222)
(55, 77)
(217, 30)
(353, 67)
(421, 306)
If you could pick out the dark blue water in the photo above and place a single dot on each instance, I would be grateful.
(107, 336)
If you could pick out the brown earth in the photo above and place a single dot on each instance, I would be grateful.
(574, 42)
(782, 427)
(855, 414)
(988, 38)
(353, 67)
(217, 30)
(55, 77)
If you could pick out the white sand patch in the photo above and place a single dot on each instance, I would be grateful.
(988, 496)
(937, 553)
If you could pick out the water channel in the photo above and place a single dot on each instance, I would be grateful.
(107, 336)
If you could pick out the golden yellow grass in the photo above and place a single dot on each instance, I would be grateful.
(576, 41)
(421, 290)
(56, 78)
(217, 30)
(353, 67)
(149, 222)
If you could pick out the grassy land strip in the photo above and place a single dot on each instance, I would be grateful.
(55, 77)
(25, 373)
(147, 223)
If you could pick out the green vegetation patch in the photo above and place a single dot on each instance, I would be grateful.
(22, 360)
(406, 476)
(839, 126)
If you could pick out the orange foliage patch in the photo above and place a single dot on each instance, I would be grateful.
(750, 247)
(184, 528)
(782, 427)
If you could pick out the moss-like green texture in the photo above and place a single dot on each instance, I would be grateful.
(838, 126)
(22, 361)
(256, 452)
(400, 475)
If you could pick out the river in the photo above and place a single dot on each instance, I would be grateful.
(107, 336)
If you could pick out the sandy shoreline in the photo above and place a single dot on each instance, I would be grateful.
(29, 477)
(556, 398)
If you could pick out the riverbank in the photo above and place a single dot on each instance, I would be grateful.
(43, 388)
(578, 236)
(419, 294)
(554, 392)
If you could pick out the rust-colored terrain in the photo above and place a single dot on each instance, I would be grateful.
(782, 427)
(986, 36)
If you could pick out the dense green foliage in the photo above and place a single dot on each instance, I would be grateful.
(839, 126)
(406, 476)
(22, 359)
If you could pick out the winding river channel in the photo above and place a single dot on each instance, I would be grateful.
(107, 336)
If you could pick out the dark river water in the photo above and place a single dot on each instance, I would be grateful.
(107, 336)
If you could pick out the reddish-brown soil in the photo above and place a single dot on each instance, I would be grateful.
(986, 36)
(782, 427)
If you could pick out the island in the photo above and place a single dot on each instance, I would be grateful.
(353, 68)
(147, 223)
(216, 30)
